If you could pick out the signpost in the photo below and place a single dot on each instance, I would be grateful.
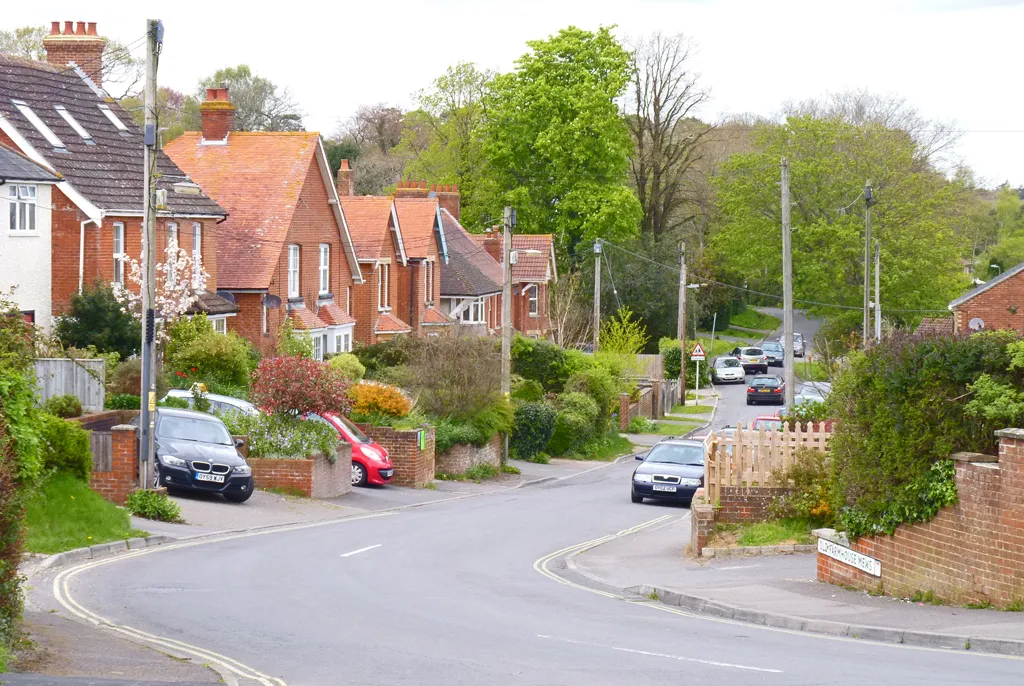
(697, 354)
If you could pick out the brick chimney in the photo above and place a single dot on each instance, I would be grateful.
(493, 243)
(79, 44)
(412, 189)
(346, 180)
(448, 197)
(218, 115)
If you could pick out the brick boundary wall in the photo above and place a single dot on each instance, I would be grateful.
(104, 421)
(702, 524)
(313, 477)
(462, 456)
(970, 552)
(643, 407)
(122, 478)
(738, 504)
(414, 468)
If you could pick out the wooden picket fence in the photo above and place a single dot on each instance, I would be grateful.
(748, 457)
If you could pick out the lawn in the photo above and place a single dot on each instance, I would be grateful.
(63, 513)
(737, 333)
(611, 447)
(775, 532)
(667, 428)
(691, 409)
(752, 319)
(811, 371)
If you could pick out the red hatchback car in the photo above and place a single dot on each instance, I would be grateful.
(370, 462)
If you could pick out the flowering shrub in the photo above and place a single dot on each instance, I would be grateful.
(283, 437)
(179, 281)
(297, 385)
(376, 399)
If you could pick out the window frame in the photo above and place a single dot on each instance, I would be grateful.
(172, 257)
(325, 268)
(118, 251)
(533, 300)
(220, 325)
(265, 328)
(23, 209)
(197, 251)
(428, 282)
(318, 350)
(384, 287)
(294, 255)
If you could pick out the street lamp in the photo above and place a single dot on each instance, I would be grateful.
(996, 266)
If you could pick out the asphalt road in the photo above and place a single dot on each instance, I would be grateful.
(448, 594)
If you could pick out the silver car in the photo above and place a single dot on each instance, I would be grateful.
(752, 359)
(798, 343)
(727, 369)
(218, 403)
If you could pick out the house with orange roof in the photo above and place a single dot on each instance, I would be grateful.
(534, 271)
(285, 249)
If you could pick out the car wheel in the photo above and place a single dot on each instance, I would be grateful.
(238, 497)
(358, 474)
(749, 401)
(634, 497)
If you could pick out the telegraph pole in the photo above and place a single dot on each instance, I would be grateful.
(681, 324)
(878, 304)
(867, 259)
(597, 291)
(506, 311)
(154, 39)
(787, 290)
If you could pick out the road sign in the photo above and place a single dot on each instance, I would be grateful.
(698, 352)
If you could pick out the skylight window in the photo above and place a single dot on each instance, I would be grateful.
(73, 123)
(113, 118)
(41, 127)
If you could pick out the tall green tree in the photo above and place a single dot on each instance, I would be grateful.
(97, 318)
(830, 159)
(555, 145)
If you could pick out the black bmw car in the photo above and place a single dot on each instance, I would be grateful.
(671, 470)
(195, 452)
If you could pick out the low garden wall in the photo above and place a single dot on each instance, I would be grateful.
(970, 552)
(411, 452)
(462, 456)
(115, 464)
(742, 504)
(313, 477)
(645, 406)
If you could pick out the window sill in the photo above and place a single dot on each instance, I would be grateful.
(534, 316)
(24, 234)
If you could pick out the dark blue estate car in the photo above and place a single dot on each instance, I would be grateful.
(671, 470)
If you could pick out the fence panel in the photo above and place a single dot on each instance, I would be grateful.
(102, 446)
(82, 378)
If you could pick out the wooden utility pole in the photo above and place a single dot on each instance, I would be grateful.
(597, 291)
(681, 324)
(867, 259)
(506, 304)
(787, 290)
(147, 422)
(878, 304)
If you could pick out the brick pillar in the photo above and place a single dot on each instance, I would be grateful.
(624, 412)
(123, 476)
(702, 523)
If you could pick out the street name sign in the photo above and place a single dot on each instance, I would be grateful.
(866, 564)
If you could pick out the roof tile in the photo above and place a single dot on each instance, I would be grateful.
(388, 323)
(304, 320)
(333, 315)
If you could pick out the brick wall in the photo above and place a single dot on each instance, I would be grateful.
(414, 468)
(105, 421)
(970, 552)
(521, 319)
(738, 505)
(1000, 307)
(462, 456)
(314, 477)
(702, 525)
(122, 478)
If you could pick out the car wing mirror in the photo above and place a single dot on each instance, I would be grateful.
(640, 457)
(239, 442)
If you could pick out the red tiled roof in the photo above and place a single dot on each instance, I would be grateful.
(367, 218)
(935, 326)
(531, 267)
(434, 317)
(303, 319)
(257, 177)
(416, 219)
(388, 323)
(333, 315)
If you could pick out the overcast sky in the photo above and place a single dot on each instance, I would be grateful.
(951, 59)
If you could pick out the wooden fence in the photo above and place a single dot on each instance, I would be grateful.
(64, 376)
(746, 457)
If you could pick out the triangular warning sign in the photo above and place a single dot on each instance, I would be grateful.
(698, 352)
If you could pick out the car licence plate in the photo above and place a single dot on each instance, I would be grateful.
(664, 487)
(215, 478)
(764, 390)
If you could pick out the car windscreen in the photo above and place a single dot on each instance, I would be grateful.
(354, 430)
(730, 362)
(753, 352)
(193, 429)
(765, 381)
(677, 454)
(773, 347)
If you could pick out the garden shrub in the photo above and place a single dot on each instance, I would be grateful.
(809, 477)
(292, 343)
(122, 401)
(540, 361)
(185, 331)
(534, 425)
(574, 425)
(297, 385)
(179, 403)
(449, 432)
(641, 425)
(96, 318)
(901, 409)
(498, 417)
(64, 406)
(153, 505)
(599, 385)
(369, 398)
(527, 390)
(809, 411)
(393, 353)
(222, 358)
(65, 446)
(672, 355)
(348, 365)
(283, 436)
(455, 375)
(127, 378)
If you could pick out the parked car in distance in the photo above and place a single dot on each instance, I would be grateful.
(774, 353)
(371, 463)
(672, 470)
(752, 360)
(765, 388)
(798, 343)
(218, 403)
(727, 369)
(195, 452)
(768, 422)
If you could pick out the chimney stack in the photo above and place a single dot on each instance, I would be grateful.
(346, 180)
(218, 115)
(78, 44)
(412, 189)
(448, 197)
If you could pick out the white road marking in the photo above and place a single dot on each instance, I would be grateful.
(724, 569)
(648, 653)
(362, 550)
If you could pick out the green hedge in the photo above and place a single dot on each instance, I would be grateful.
(575, 425)
(65, 446)
(64, 406)
(534, 426)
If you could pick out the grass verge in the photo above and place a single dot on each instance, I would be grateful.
(691, 409)
(666, 428)
(811, 371)
(476, 473)
(607, 449)
(752, 319)
(63, 514)
(791, 530)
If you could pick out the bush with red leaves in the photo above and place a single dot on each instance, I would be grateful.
(297, 385)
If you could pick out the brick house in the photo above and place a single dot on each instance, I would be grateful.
(996, 304)
(532, 276)
(471, 282)
(285, 248)
(58, 115)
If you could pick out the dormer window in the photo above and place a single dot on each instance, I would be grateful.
(73, 123)
(40, 125)
(109, 113)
